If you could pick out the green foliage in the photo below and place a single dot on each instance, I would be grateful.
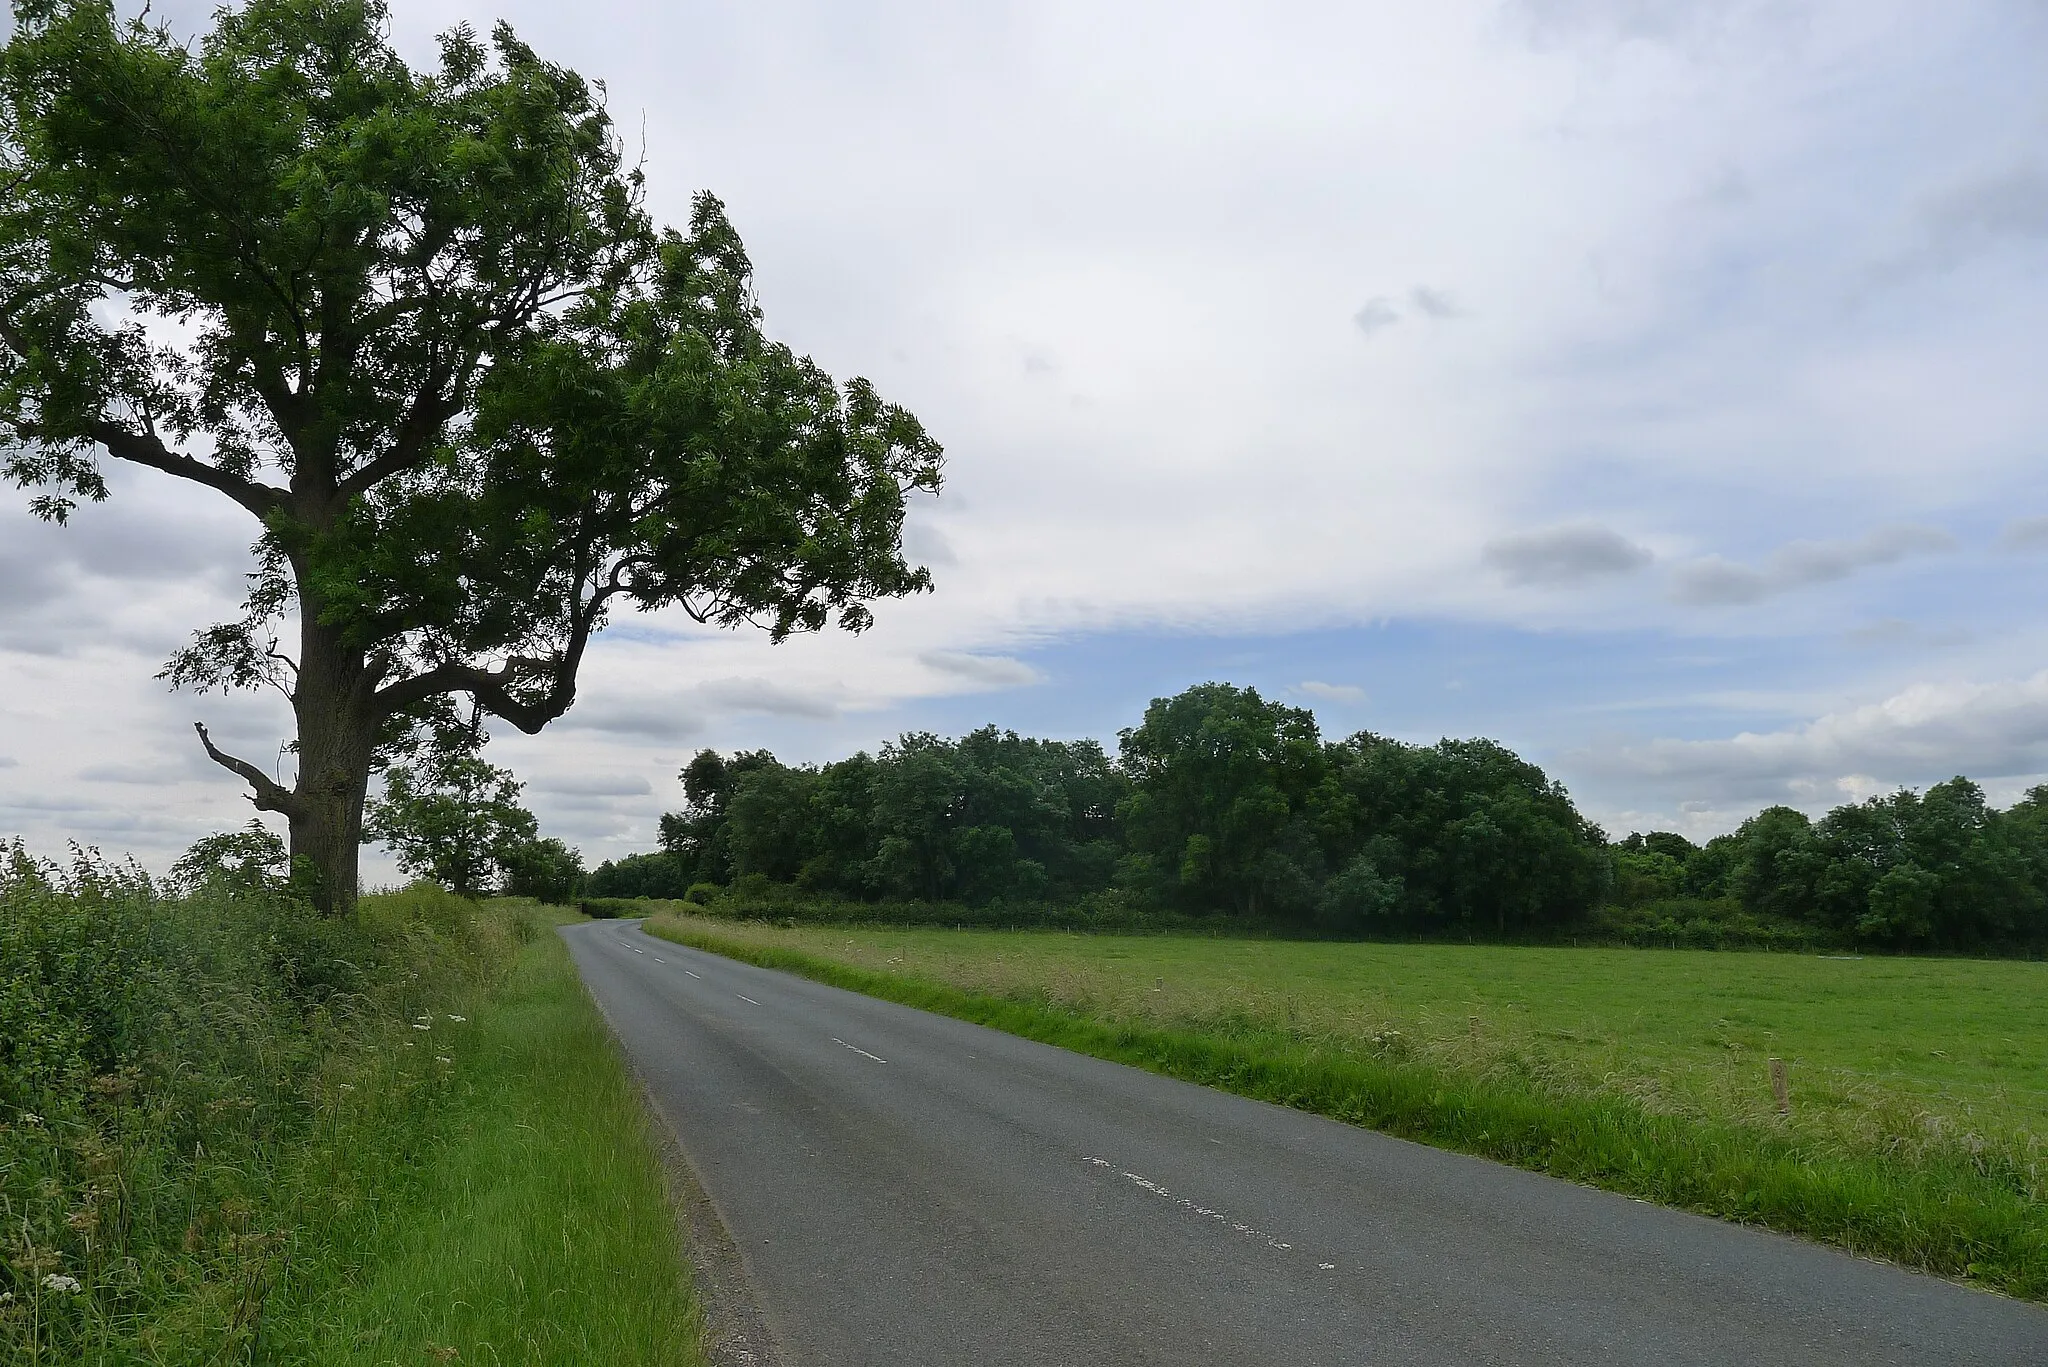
(640, 875)
(544, 870)
(1477, 836)
(425, 335)
(990, 817)
(1218, 802)
(1222, 787)
(230, 1122)
(1939, 870)
(455, 820)
(252, 859)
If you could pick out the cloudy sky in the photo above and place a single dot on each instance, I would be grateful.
(1652, 386)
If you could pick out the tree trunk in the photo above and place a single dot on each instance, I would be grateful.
(337, 740)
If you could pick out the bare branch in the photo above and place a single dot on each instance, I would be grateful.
(269, 795)
(142, 448)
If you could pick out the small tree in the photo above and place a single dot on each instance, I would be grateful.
(247, 860)
(417, 326)
(545, 870)
(452, 818)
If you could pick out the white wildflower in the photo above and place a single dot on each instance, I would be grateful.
(423, 1027)
(348, 1086)
(443, 1058)
(57, 1281)
(31, 1119)
(458, 1019)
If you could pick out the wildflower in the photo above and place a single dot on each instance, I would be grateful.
(348, 1086)
(57, 1281)
(423, 1027)
(443, 1058)
(458, 1019)
(31, 1119)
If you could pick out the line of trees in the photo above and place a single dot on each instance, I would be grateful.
(1936, 870)
(1222, 801)
(1219, 801)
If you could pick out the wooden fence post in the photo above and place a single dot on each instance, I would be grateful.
(1781, 1088)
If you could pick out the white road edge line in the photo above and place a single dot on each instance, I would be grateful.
(745, 998)
(858, 1050)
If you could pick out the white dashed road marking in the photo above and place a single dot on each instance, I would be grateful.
(699, 979)
(745, 998)
(858, 1050)
(1149, 1185)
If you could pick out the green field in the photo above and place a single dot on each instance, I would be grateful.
(1919, 1087)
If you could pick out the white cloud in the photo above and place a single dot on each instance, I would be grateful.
(1717, 582)
(591, 784)
(1350, 694)
(1561, 556)
(984, 671)
(1666, 211)
(1921, 734)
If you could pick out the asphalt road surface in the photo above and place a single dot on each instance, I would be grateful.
(906, 1190)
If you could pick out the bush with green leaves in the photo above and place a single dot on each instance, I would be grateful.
(169, 1059)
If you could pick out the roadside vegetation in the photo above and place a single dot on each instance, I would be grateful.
(1917, 1126)
(1224, 809)
(234, 1131)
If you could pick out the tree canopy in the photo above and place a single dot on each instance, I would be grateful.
(418, 325)
(1220, 801)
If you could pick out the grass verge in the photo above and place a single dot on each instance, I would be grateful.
(532, 1225)
(1972, 1215)
(234, 1131)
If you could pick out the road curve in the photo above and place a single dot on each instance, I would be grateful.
(907, 1190)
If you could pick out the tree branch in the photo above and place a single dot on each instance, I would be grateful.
(269, 796)
(142, 448)
(491, 688)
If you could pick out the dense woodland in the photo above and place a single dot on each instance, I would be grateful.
(1223, 803)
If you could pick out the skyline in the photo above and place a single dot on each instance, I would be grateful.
(1643, 385)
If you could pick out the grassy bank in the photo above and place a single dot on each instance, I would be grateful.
(530, 1226)
(231, 1132)
(1919, 1104)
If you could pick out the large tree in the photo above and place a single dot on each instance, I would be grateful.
(418, 326)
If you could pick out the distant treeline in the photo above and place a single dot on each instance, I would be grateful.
(1939, 870)
(1221, 802)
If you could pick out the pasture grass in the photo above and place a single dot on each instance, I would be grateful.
(1919, 1086)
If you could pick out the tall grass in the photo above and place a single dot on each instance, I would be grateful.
(1960, 1210)
(222, 1120)
(534, 1231)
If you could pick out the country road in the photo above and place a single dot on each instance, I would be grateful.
(907, 1190)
